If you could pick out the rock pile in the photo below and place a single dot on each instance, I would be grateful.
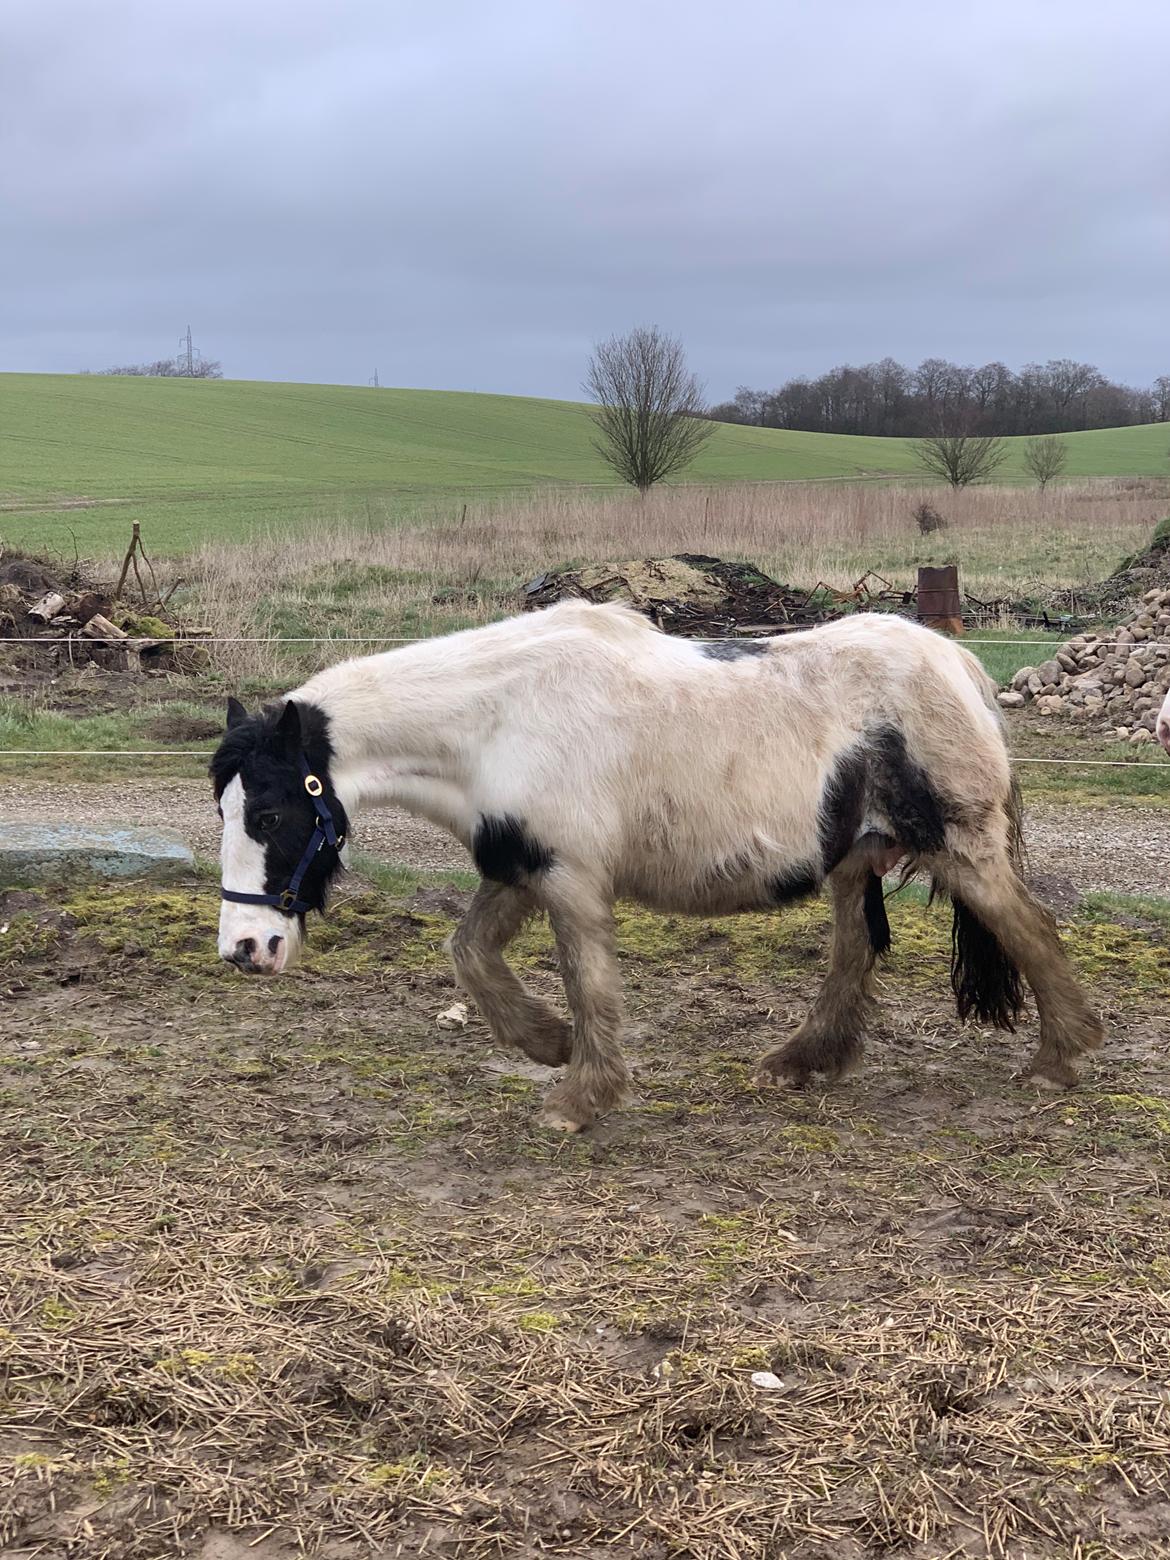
(1117, 678)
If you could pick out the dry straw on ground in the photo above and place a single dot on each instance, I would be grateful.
(418, 576)
(288, 1266)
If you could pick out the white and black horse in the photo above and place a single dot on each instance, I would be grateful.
(583, 756)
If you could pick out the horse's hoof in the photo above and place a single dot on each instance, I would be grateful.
(777, 1075)
(1050, 1076)
(560, 1122)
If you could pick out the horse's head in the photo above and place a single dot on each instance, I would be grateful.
(283, 831)
(1164, 724)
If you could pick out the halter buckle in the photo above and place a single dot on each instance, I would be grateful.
(313, 785)
(287, 900)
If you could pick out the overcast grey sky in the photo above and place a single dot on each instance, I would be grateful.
(468, 193)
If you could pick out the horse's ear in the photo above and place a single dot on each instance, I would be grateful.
(288, 727)
(236, 713)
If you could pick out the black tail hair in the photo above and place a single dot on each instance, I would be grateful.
(877, 922)
(985, 981)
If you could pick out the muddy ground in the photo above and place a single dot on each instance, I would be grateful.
(289, 1266)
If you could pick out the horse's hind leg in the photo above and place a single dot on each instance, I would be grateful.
(514, 1015)
(1000, 932)
(831, 1039)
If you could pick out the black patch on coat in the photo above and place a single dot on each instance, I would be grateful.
(796, 883)
(877, 922)
(985, 981)
(265, 751)
(902, 792)
(505, 853)
(842, 807)
(733, 649)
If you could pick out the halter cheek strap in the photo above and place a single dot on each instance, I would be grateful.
(289, 900)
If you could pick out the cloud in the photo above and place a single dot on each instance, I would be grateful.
(468, 196)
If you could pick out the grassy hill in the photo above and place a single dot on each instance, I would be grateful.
(81, 456)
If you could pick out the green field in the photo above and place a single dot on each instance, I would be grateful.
(81, 456)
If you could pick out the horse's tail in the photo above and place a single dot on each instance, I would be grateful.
(1013, 806)
(985, 981)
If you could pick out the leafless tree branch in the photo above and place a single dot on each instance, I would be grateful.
(649, 408)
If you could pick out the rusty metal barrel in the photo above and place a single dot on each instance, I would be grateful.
(938, 598)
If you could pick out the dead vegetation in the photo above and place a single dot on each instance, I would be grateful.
(403, 576)
(288, 1267)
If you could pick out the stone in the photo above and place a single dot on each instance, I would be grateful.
(1049, 704)
(32, 853)
(1142, 734)
(1122, 733)
(1066, 661)
(1012, 700)
(1021, 678)
(766, 1381)
(1049, 671)
(1135, 675)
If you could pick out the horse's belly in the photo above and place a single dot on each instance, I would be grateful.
(715, 889)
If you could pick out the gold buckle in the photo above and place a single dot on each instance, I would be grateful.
(313, 785)
(287, 900)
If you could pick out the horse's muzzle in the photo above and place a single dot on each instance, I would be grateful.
(256, 958)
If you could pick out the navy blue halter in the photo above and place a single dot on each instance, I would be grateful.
(325, 833)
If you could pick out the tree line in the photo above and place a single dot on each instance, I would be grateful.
(887, 398)
(164, 368)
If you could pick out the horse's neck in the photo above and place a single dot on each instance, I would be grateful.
(398, 725)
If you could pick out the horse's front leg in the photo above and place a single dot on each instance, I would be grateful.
(513, 1014)
(597, 1078)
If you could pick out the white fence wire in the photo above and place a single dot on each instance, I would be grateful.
(418, 639)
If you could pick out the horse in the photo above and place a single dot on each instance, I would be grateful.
(1163, 726)
(581, 755)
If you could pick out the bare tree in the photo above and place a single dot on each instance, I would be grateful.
(1161, 397)
(960, 458)
(649, 407)
(1046, 458)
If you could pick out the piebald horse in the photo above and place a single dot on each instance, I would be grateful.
(582, 756)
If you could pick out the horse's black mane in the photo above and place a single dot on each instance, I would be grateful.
(259, 740)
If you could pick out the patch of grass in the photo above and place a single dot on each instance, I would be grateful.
(1130, 776)
(1002, 653)
(26, 723)
(1104, 906)
(400, 882)
(197, 459)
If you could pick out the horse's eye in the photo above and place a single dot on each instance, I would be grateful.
(269, 822)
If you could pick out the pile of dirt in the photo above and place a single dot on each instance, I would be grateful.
(1120, 594)
(53, 615)
(1117, 678)
(689, 594)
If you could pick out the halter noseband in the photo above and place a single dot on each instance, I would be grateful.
(325, 833)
